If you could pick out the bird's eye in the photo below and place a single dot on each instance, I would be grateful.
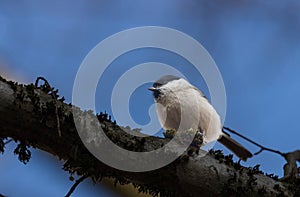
(155, 85)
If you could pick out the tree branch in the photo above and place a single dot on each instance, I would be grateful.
(77, 182)
(262, 148)
(30, 117)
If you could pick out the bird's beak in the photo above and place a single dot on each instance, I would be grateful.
(156, 92)
(152, 89)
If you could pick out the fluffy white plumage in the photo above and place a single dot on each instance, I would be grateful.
(182, 106)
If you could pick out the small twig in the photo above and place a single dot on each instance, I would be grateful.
(262, 148)
(239, 161)
(290, 168)
(43, 79)
(8, 141)
(54, 97)
(76, 184)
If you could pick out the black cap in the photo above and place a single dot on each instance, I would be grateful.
(164, 80)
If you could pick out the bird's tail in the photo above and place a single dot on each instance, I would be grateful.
(235, 147)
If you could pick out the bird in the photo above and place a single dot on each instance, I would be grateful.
(182, 106)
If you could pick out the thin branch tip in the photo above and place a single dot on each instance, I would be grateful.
(72, 189)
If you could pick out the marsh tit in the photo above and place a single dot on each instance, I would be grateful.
(182, 106)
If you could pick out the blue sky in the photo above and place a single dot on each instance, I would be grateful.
(256, 46)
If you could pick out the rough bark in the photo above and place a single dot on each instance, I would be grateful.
(27, 115)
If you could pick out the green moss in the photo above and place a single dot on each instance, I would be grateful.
(170, 133)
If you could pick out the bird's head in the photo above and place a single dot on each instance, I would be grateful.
(167, 86)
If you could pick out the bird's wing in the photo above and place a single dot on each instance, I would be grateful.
(201, 93)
